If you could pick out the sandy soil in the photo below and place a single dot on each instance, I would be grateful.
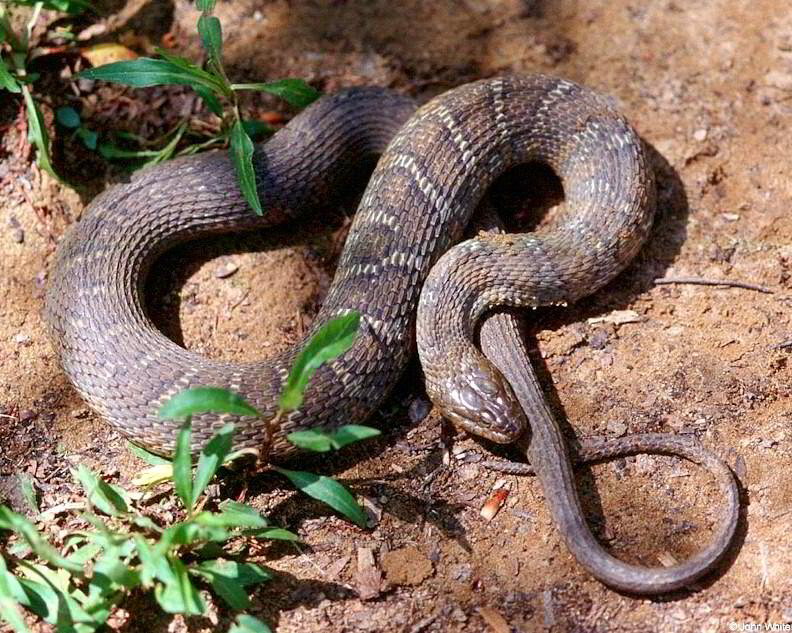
(709, 87)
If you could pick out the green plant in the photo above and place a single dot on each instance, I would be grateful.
(14, 74)
(330, 341)
(214, 88)
(125, 549)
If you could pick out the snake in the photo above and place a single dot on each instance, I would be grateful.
(402, 268)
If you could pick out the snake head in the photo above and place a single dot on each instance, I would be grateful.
(480, 401)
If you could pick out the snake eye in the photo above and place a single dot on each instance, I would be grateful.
(483, 382)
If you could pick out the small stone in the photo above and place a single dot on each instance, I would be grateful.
(461, 572)
(779, 79)
(418, 410)
(86, 85)
(730, 217)
(617, 428)
(226, 270)
(599, 339)
(79, 413)
(18, 235)
(700, 134)
(27, 415)
(22, 339)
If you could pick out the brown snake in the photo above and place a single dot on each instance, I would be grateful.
(432, 174)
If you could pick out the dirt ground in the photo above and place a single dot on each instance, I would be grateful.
(709, 87)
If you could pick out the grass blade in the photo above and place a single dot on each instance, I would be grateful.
(330, 341)
(328, 491)
(182, 467)
(198, 400)
(212, 456)
(242, 158)
(248, 624)
(7, 81)
(294, 91)
(323, 441)
(211, 36)
(37, 131)
(146, 71)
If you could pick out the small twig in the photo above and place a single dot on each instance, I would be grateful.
(701, 281)
(784, 345)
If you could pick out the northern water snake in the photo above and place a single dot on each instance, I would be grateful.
(427, 184)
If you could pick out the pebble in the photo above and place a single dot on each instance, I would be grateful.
(418, 410)
(226, 270)
(22, 339)
(27, 415)
(700, 134)
(599, 339)
(779, 79)
(617, 428)
(17, 233)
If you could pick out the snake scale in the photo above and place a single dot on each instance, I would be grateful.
(435, 166)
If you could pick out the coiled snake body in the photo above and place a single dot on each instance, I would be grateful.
(429, 180)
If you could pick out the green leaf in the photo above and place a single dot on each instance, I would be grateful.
(257, 129)
(65, 6)
(198, 400)
(110, 499)
(234, 514)
(10, 594)
(228, 579)
(84, 553)
(274, 534)
(191, 531)
(328, 491)
(153, 562)
(10, 520)
(67, 117)
(182, 467)
(113, 568)
(149, 458)
(145, 71)
(212, 456)
(351, 433)
(179, 595)
(231, 591)
(40, 598)
(88, 137)
(330, 341)
(7, 81)
(210, 100)
(311, 440)
(9, 611)
(323, 441)
(207, 6)
(242, 159)
(294, 91)
(248, 624)
(244, 573)
(110, 151)
(37, 131)
(211, 36)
